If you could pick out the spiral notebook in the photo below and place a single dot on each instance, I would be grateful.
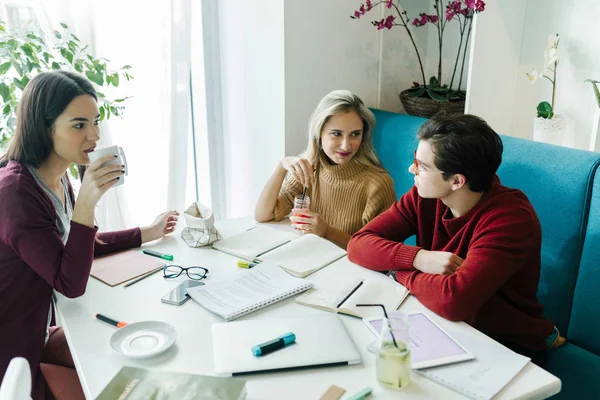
(259, 287)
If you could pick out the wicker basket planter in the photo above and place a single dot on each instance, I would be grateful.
(426, 107)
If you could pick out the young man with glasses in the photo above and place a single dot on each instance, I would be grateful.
(477, 257)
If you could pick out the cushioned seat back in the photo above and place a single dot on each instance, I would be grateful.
(395, 139)
(558, 182)
(585, 316)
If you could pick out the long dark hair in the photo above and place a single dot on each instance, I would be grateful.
(44, 99)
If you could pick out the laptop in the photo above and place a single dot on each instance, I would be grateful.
(321, 340)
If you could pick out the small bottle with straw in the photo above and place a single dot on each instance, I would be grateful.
(393, 366)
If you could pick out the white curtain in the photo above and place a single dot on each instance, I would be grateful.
(154, 38)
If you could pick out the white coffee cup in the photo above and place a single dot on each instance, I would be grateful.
(108, 151)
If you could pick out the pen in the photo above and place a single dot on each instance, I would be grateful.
(164, 256)
(147, 274)
(118, 324)
(350, 294)
(363, 394)
(246, 264)
(275, 344)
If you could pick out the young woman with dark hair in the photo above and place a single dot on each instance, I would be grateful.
(47, 239)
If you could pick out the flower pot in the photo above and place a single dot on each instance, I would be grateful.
(553, 131)
(426, 107)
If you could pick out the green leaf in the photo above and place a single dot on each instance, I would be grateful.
(31, 36)
(55, 65)
(101, 113)
(544, 110)
(443, 98)
(4, 92)
(126, 67)
(13, 43)
(95, 77)
(47, 56)
(596, 90)
(78, 67)
(6, 110)
(115, 79)
(2, 28)
(57, 34)
(17, 67)
(75, 37)
(67, 54)
(18, 83)
(433, 81)
(5, 67)
(417, 91)
(74, 171)
(64, 25)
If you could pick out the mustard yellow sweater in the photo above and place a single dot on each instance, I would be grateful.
(346, 196)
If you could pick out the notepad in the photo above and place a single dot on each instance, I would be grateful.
(253, 243)
(342, 296)
(481, 379)
(260, 287)
(305, 255)
(121, 267)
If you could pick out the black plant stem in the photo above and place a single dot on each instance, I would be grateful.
(462, 68)
(462, 34)
(405, 25)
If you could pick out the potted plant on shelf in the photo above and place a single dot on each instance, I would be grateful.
(439, 92)
(24, 55)
(548, 126)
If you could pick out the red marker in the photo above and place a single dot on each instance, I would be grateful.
(118, 324)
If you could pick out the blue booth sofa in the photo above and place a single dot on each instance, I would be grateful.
(564, 188)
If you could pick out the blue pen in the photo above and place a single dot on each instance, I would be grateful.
(363, 394)
(275, 344)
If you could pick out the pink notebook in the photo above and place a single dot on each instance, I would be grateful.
(121, 267)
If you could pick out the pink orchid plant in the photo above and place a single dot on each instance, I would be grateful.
(461, 11)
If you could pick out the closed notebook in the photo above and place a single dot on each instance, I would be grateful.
(342, 296)
(259, 287)
(133, 383)
(251, 244)
(121, 267)
(305, 255)
(484, 377)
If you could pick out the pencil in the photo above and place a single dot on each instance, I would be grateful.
(155, 270)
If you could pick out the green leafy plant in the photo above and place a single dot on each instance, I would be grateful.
(22, 56)
(596, 90)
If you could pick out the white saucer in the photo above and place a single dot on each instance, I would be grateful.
(143, 339)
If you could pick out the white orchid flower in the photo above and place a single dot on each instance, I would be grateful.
(533, 76)
(553, 56)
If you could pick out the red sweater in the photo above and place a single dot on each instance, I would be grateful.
(494, 290)
(34, 261)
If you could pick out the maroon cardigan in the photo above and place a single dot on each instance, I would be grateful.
(34, 261)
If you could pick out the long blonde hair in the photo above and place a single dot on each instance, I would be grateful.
(342, 101)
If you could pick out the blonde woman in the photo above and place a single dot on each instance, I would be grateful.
(345, 181)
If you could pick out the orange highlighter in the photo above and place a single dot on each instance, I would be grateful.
(118, 324)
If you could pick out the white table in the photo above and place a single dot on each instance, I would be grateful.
(97, 362)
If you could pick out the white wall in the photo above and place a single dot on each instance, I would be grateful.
(578, 24)
(252, 79)
(510, 39)
(497, 42)
(325, 50)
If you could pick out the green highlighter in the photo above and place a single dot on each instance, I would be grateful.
(168, 257)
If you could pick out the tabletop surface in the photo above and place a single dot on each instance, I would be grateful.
(97, 362)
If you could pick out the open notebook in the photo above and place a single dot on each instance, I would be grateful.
(343, 295)
(481, 379)
(263, 285)
(299, 255)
